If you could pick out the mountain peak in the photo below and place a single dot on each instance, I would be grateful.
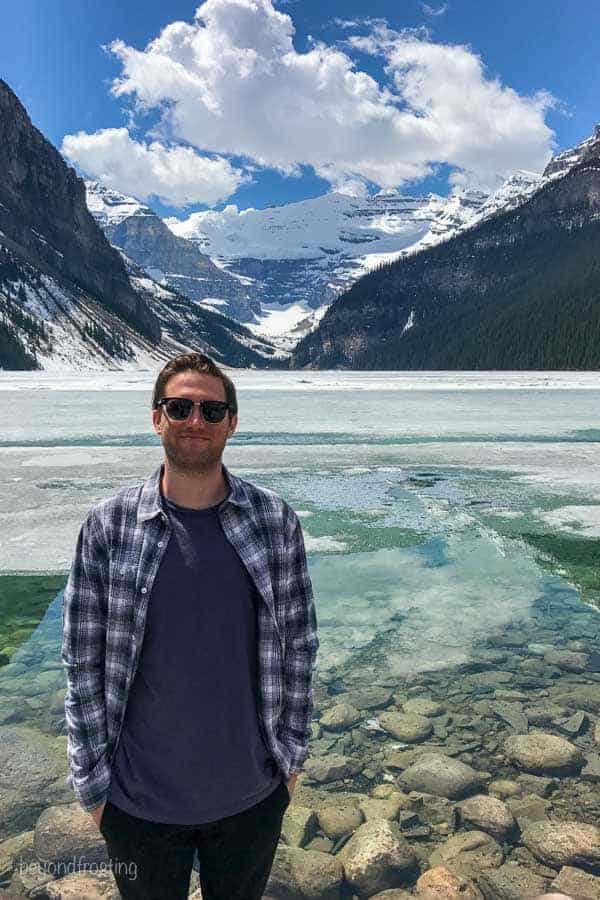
(563, 163)
(110, 207)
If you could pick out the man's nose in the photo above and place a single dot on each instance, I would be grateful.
(196, 417)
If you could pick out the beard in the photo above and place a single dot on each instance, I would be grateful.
(191, 458)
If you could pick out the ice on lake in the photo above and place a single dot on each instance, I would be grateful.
(415, 488)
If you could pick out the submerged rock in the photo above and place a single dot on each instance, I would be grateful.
(63, 833)
(441, 775)
(371, 698)
(423, 706)
(332, 767)
(468, 853)
(377, 857)
(579, 884)
(304, 873)
(490, 815)
(408, 728)
(511, 882)
(565, 844)
(340, 717)
(91, 885)
(299, 825)
(440, 883)
(541, 754)
(335, 821)
(383, 809)
(567, 660)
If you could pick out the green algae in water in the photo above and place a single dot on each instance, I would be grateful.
(358, 531)
(578, 557)
(24, 600)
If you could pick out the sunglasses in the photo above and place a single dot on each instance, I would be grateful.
(178, 409)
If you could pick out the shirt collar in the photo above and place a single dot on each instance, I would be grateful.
(150, 504)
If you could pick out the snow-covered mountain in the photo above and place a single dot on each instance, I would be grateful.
(518, 287)
(68, 299)
(172, 261)
(567, 160)
(314, 249)
(278, 269)
(286, 264)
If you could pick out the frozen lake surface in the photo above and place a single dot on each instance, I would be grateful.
(438, 500)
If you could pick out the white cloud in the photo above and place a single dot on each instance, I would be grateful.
(176, 175)
(434, 10)
(232, 83)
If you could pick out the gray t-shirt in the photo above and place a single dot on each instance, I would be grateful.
(191, 749)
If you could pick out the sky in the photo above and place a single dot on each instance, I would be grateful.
(255, 103)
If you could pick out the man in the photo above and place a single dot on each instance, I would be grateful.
(189, 642)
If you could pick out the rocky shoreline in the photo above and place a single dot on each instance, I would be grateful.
(476, 781)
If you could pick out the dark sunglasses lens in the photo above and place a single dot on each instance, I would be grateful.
(214, 411)
(178, 409)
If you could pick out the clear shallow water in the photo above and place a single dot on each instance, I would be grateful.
(438, 510)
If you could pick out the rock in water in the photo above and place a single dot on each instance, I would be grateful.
(511, 882)
(469, 853)
(576, 883)
(565, 844)
(332, 767)
(490, 815)
(567, 660)
(409, 728)
(440, 883)
(543, 754)
(340, 717)
(377, 857)
(441, 775)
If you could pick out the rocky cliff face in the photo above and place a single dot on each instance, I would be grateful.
(171, 260)
(68, 299)
(45, 220)
(519, 290)
(569, 159)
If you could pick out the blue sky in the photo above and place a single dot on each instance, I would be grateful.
(417, 138)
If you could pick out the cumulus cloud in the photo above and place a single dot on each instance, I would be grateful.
(232, 83)
(176, 175)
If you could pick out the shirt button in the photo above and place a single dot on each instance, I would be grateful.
(144, 590)
(160, 543)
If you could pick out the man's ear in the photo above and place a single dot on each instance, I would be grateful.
(157, 420)
(233, 421)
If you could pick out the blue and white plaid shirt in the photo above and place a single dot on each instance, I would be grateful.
(119, 549)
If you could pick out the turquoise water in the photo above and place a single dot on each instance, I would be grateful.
(428, 495)
(435, 519)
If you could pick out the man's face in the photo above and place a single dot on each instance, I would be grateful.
(193, 446)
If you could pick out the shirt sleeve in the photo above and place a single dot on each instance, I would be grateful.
(83, 647)
(302, 644)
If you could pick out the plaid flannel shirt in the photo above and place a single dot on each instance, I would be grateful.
(119, 549)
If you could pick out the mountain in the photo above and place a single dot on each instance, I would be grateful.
(518, 289)
(278, 269)
(308, 252)
(66, 297)
(584, 152)
(171, 260)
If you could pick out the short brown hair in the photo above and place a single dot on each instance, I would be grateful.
(195, 362)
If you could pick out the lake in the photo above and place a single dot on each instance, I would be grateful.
(451, 522)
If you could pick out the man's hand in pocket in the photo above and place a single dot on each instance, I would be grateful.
(291, 784)
(96, 813)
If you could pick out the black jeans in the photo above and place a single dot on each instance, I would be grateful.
(154, 861)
